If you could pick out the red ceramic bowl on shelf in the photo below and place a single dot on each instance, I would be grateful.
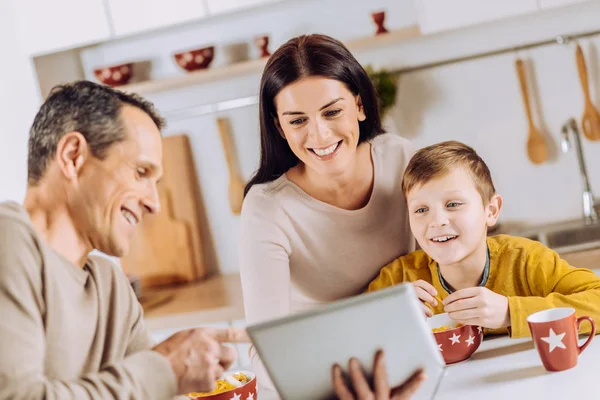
(245, 391)
(456, 342)
(196, 59)
(115, 75)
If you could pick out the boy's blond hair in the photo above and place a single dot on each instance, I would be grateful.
(435, 160)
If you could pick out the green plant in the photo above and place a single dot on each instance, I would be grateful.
(386, 86)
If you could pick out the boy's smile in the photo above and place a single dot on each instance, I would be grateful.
(443, 238)
(449, 219)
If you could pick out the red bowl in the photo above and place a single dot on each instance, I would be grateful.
(193, 60)
(115, 75)
(457, 343)
(247, 391)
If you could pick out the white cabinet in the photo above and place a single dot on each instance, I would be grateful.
(223, 6)
(133, 16)
(558, 3)
(49, 26)
(440, 15)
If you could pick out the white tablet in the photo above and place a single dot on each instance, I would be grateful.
(299, 350)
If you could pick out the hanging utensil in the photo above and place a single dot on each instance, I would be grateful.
(236, 183)
(590, 121)
(536, 146)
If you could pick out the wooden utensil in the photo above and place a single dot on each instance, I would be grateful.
(536, 146)
(171, 246)
(236, 183)
(161, 250)
(181, 178)
(590, 121)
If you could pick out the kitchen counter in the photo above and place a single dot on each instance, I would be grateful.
(218, 299)
(584, 259)
(218, 302)
(563, 236)
(504, 368)
(215, 300)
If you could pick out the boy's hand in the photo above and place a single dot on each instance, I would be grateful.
(426, 293)
(478, 306)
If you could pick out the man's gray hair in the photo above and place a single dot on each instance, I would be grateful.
(86, 107)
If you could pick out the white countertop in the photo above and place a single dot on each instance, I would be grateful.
(504, 368)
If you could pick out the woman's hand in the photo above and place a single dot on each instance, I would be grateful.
(381, 389)
(426, 293)
(478, 306)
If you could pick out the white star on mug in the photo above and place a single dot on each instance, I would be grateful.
(250, 396)
(440, 346)
(555, 340)
(454, 339)
(471, 340)
(236, 397)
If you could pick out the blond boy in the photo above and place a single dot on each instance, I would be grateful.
(494, 282)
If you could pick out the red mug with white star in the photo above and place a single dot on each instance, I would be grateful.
(555, 332)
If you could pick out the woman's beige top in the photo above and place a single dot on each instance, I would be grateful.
(297, 252)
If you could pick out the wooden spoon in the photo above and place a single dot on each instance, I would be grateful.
(236, 183)
(536, 146)
(590, 121)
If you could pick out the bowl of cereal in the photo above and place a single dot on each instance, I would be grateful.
(239, 385)
(457, 342)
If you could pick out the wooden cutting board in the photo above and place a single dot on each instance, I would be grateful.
(167, 247)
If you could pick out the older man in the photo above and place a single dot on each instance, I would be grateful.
(71, 327)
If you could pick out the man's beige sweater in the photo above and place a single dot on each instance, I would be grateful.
(68, 332)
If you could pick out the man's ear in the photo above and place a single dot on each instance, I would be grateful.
(71, 152)
(361, 109)
(493, 210)
(278, 126)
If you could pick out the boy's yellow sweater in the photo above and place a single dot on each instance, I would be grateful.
(531, 275)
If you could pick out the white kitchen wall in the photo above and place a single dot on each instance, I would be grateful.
(19, 99)
(477, 102)
(438, 15)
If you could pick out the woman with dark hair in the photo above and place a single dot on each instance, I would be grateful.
(325, 210)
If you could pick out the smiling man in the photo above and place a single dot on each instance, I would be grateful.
(71, 327)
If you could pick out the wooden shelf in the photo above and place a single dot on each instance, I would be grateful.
(410, 50)
(387, 39)
(216, 299)
(196, 77)
(256, 66)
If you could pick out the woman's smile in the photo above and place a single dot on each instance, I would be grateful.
(326, 153)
